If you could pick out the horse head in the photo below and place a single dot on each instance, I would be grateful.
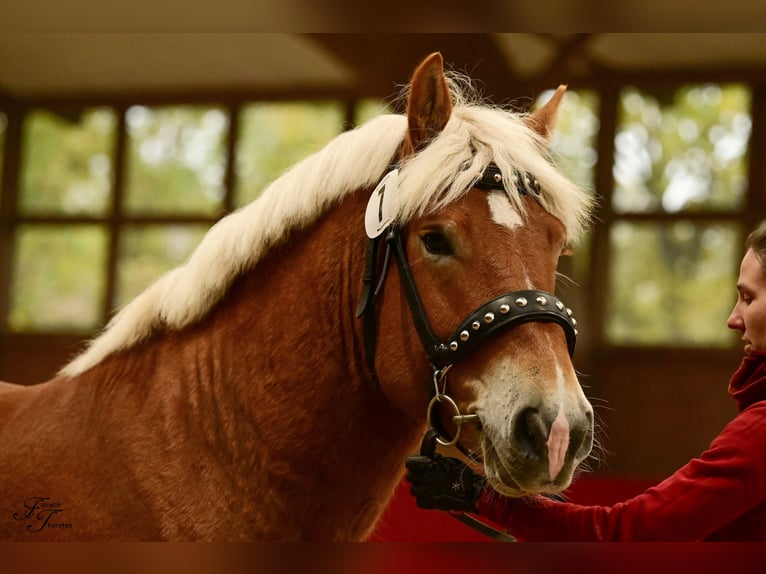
(476, 271)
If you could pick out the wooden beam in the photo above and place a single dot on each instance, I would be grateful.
(383, 63)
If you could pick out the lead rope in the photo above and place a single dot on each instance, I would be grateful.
(428, 448)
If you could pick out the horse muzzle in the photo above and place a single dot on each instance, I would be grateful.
(540, 453)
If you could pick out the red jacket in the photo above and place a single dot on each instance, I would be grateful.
(719, 496)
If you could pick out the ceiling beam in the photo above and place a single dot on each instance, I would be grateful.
(383, 63)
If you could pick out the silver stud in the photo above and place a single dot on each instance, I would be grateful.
(475, 325)
(542, 300)
(569, 311)
(521, 302)
(504, 309)
(464, 336)
(498, 177)
(576, 333)
(559, 305)
(453, 345)
(489, 317)
(574, 322)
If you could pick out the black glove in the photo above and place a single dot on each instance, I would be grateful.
(443, 483)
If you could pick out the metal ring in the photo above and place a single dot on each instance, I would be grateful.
(438, 398)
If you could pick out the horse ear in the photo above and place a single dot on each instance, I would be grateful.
(542, 120)
(429, 104)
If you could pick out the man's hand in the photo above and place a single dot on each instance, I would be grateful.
(443, 483)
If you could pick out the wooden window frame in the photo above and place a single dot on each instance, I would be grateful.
(115, 219)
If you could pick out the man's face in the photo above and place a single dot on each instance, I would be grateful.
(749, 313)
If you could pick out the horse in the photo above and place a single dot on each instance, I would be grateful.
(270, 387)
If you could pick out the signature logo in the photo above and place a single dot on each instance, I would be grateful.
(39, 512)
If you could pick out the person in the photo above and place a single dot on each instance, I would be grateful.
(721, 495)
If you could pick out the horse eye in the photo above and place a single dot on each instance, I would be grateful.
(436, 243)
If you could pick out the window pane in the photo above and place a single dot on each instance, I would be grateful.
(146, 252)
(67, 162)
(684, 150)
(573, 142)
(672, 284)
(369, 108)
(573, 146)
(274, 136)
(176, 160)
(58, 282)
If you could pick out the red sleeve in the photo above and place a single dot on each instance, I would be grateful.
(703, 497)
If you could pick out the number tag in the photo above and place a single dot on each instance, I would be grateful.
(383, 205)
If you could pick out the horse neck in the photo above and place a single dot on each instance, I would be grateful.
(301, 359)
(275, 380)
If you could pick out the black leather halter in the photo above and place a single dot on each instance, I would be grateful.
(498, 314)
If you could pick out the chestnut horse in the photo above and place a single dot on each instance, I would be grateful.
(242, 396)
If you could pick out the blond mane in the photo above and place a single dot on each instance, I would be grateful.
(475, 136)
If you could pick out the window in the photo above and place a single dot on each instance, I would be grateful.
(680, 183)
(58, 282)
(369, 108)
(67, 163)
(573, 148)
(93, 227)
(682, 151)
(274, 136)
(110, 197)
(65, 183)
(176, 158)
(147, 251)
(667, 282)
(573, 142)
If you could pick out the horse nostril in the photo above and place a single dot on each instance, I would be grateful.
(583, 438)
(529, 433)
(586, 444)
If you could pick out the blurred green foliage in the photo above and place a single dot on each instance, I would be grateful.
(176, 160)
(59, 277)
(573, 148)
(67, 164)
(147, 251)
(682, 150)
(672, 283)
(677, 151)
(275, 136)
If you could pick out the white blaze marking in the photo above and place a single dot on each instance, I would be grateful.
(502, 211)
(558, 442)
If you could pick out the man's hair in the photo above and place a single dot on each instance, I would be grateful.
(757, 242)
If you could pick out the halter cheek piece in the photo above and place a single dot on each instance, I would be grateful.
(502, 312)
